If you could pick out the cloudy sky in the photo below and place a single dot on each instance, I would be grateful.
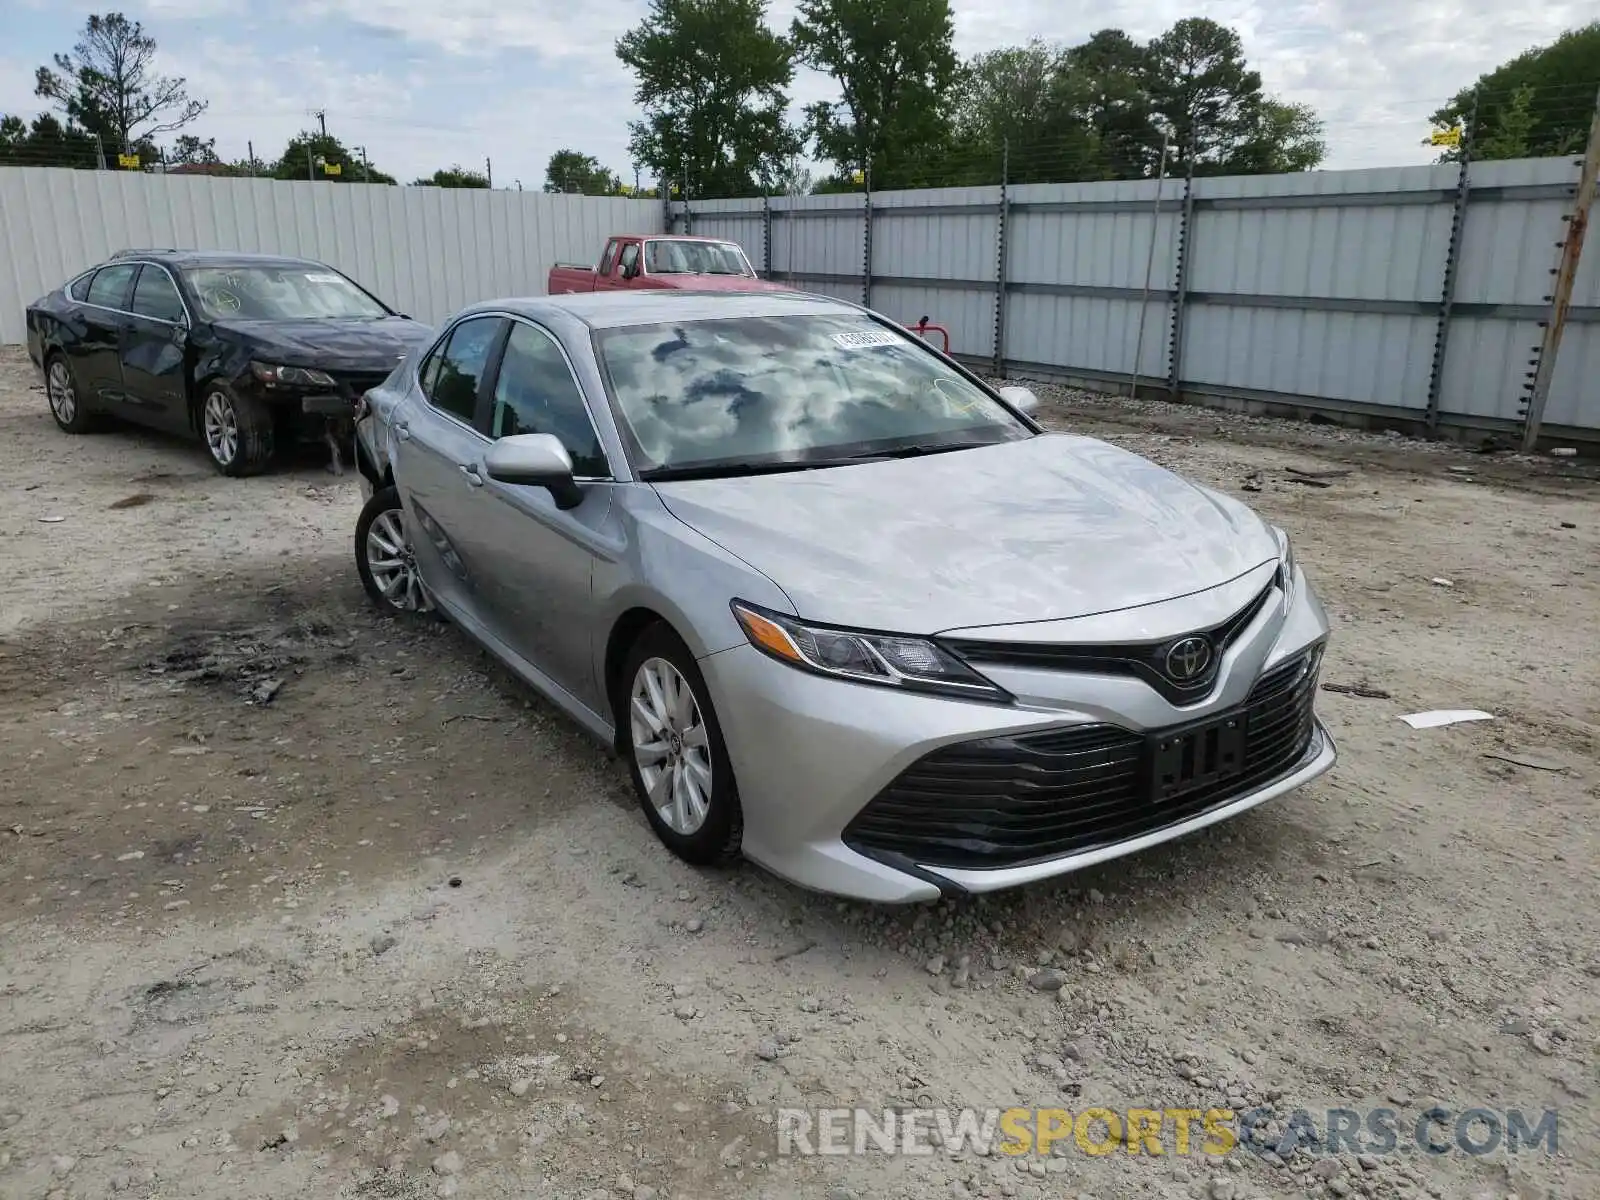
(427, 83)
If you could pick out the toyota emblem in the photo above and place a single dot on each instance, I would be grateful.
(1188, 659)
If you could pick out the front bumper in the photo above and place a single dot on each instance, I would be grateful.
(821, 766)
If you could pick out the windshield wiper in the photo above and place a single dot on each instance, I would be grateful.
(733, 470)
(921, 448)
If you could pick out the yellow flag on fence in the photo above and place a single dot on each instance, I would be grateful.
(1445, 137)
(332, 169)
(129, 161)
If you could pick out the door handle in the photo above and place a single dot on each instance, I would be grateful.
(402, 431)
(471, 472)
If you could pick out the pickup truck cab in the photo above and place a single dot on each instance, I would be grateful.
(657, 261)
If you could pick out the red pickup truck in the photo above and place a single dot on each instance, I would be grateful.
(663, 261)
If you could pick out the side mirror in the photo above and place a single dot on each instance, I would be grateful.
(535, 460)
(1020, 398)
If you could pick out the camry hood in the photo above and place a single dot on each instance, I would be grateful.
(339, 345)
(1052, 527)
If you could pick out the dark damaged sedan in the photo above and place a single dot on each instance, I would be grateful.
(249, 353)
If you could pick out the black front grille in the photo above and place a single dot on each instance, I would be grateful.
(1147, 661)
(1008, 801)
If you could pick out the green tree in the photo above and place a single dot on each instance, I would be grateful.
(453, 177)
(1031, 104)
(895, 66)
(1111, 100)
(711, 81)
(1287, 137)
(308, 155)
(570, 171)
(191, 149)
(1537, 104)
(45, 143)
(108, 85)
(1201, 88)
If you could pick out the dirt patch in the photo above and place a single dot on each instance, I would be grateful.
(264, 946)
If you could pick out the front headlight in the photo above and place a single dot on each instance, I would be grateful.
(291, 376)
(1285, 562)
(914, 663)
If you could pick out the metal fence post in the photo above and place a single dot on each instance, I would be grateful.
(1180, 284)
(1452, 260)
(1566, 273)
(1001, 214)
(866, 238)
(766, 235)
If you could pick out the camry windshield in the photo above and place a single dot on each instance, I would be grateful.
(279, 293)
(694, 258)
(771, 392)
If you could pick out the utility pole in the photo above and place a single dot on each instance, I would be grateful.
(1566, 273)
(250, 156)
(321, 114)
(1149, 266)
(488, 171)
(366, 167)
(311, 166)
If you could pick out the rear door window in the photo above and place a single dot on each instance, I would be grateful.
(110, 286)
(455, 380)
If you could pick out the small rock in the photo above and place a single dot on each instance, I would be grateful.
(1048, 980)
(810, 1005)
(769, 1050)
(684, 1012)
(433, 1131)
(448, 1163)
(1096, 896)
(680, 990)
(62, 1164)
(1338, 1187)
(694, 925)
(935, 965)
(390, 1107)
(839, 1192)
(1222, 1188)
(1249, 1057)
(383, 943)
(644, 1192)
(130, 856)
(519, 1087)
(1541, 1043)
(1441, 581)
(1326, 1168)
(1368, 1162)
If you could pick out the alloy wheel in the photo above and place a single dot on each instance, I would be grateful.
(63, 397)
(221, 428)
(393, 566)
(671, 746)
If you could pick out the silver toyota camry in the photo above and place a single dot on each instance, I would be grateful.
(841, 607)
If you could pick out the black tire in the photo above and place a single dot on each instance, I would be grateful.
(717, 840)
(387, 500)
(81, 418)
(238, 431)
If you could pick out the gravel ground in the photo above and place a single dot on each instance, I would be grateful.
(402, 931)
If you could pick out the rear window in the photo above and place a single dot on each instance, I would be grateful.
(110, 286)
(78, 289)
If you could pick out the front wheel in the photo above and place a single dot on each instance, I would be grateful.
(675, 751)
(238, 431)
(384, 560)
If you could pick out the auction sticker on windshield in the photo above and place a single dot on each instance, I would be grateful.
(323, 278)
(865, 339)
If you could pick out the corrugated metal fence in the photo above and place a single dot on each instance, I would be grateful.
(1394, 294)
(428, 251)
